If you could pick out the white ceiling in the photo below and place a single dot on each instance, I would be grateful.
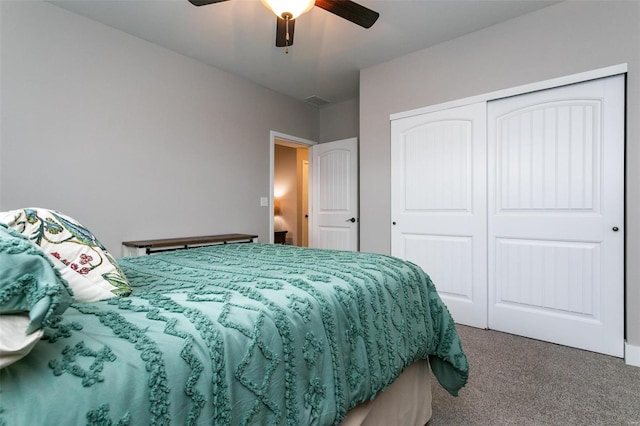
(238, 36)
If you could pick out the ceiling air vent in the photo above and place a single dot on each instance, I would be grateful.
(316, 101)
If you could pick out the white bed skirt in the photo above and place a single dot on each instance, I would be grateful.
(407, 401)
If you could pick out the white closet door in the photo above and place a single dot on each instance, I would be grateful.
(556, 215)
(438, 204)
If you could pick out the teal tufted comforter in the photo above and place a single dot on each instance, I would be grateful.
(236, 334)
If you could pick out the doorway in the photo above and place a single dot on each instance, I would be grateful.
(326, 194)
(289, 217)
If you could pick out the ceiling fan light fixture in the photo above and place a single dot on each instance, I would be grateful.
(290, 9)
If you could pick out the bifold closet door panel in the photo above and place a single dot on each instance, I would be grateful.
(556, 215)
(438, 204)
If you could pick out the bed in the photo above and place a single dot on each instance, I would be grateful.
(234, 334)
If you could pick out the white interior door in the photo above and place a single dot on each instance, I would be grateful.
(438, 204)
(334, 202)
(556, 190)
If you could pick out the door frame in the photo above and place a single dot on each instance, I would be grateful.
(303, 231)
(273, 135)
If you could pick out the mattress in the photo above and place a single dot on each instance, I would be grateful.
(407, 401)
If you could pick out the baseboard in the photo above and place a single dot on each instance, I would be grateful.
(631, 354)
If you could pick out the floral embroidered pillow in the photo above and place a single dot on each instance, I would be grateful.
(81, 258)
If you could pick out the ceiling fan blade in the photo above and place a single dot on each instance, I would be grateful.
(350, 11)
(204, 2)
(281, 32)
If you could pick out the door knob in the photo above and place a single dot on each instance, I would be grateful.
(352, 220)
(615, 229)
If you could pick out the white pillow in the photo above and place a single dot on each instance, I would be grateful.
(15, 343)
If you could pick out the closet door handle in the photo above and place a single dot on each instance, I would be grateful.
(352, 220)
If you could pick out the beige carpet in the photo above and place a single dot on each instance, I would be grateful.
(518, 381)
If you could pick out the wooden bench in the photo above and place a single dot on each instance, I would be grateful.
(145, 247)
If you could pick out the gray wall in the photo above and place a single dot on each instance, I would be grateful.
(563, 39)
(133, 140)
(339, 121)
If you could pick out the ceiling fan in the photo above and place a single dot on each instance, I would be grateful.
(288, 10)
